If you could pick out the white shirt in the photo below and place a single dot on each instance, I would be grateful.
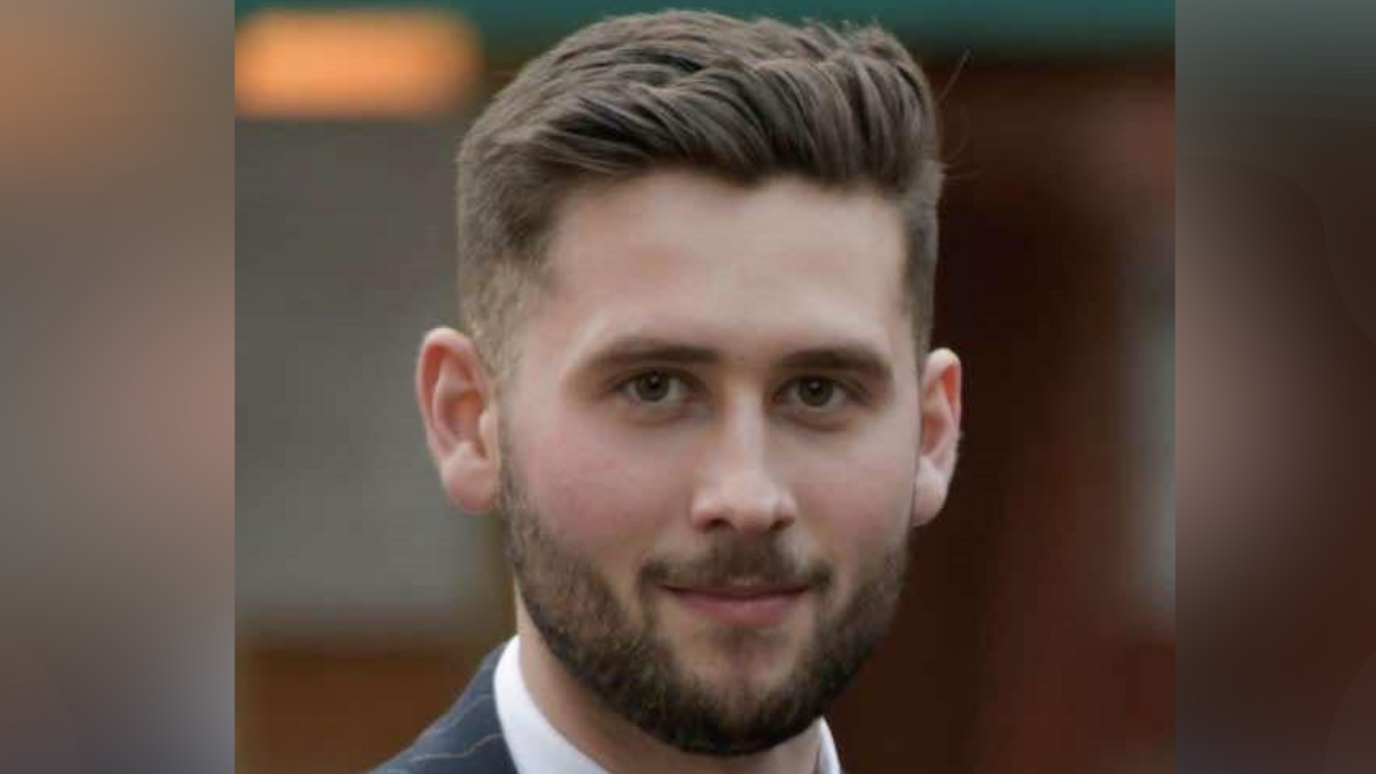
(537, 747)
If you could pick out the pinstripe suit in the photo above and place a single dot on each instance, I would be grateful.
(466, 740)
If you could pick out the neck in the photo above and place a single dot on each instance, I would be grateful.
(618, 745)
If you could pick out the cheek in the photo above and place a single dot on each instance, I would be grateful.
(859, 501)
(608, 496)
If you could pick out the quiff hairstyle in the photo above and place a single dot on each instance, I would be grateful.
(846, 108)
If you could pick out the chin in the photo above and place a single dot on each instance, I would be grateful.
(758, 667)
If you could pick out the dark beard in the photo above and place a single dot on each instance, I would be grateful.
(633, 671)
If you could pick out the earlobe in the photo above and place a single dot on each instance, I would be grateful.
(940, 434)
(929, 494)
(459, 410)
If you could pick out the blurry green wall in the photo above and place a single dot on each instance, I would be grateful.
(989, 27)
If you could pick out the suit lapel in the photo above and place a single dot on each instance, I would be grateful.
(466, 740)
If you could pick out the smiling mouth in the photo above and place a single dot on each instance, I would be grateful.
(756, 606)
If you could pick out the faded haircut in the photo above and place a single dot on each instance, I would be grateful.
(844, 107)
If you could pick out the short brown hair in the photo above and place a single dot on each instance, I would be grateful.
(745, 100)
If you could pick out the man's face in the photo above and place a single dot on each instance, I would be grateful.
(709, 450)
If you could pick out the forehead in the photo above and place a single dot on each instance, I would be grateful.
(685, 255)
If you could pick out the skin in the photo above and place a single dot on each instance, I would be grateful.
(794, 408)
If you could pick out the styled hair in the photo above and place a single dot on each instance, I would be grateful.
(746, 101)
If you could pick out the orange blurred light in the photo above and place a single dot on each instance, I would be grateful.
(353, 64)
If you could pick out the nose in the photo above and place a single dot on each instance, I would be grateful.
(738, 489)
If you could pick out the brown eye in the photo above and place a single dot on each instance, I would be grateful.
(651, 387)
(815, 392)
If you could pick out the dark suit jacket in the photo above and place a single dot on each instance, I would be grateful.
(466, 740)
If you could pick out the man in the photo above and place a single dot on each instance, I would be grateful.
(696, 266)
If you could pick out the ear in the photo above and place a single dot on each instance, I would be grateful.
(459, 408)
(940, 434)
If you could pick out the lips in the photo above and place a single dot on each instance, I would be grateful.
(740, 605)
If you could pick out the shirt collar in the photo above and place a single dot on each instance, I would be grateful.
(536, 745)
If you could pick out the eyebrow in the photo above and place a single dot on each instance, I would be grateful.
(856, 358)
(853, 358)
(637, 350)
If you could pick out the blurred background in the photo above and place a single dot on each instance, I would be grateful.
(116, 387)
(1039, 630)
(1276, 176)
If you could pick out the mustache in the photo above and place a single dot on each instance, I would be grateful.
(732, 561)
